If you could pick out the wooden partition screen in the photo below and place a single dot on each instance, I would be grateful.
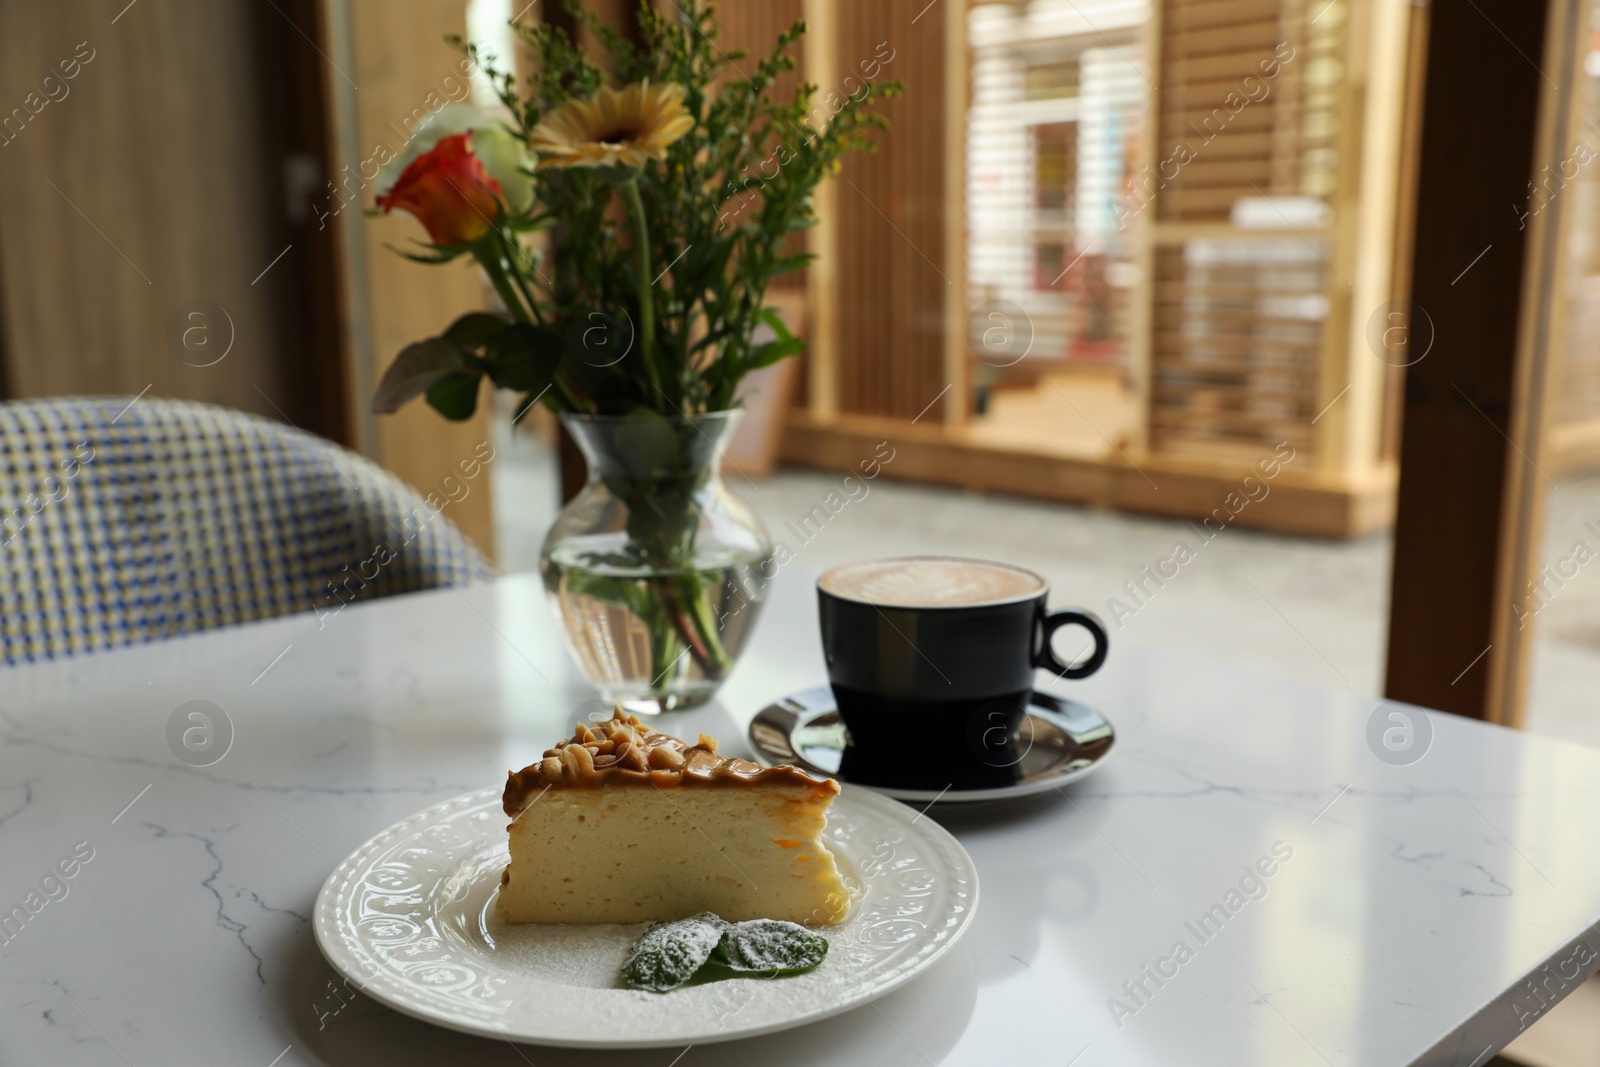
(895, 251)
(1239, 305)
(1274, 165)
(1261, 209)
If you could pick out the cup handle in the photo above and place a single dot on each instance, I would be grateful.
(1045, 658)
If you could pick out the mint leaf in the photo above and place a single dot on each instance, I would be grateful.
(670, 953)
(770, 946)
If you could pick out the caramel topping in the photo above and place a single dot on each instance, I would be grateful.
(624, 751)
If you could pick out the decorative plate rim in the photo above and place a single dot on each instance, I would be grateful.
(346, 950)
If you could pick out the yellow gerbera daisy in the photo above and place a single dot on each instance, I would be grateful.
(624, 127)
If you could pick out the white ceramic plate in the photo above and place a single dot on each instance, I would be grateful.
(409, 919)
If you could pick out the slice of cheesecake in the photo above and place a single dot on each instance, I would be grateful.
(624, 824)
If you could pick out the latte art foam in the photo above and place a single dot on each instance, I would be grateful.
(931, 582)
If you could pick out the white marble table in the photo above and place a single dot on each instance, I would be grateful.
(1402, 929)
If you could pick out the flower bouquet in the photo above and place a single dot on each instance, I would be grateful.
(668, 203)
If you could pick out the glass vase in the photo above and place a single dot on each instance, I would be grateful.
(655, 571)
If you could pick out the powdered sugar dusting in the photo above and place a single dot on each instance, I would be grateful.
(771, 945)
(409, 918)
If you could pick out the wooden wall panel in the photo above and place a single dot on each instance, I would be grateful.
(396, 67)
(144, 187)
(820, 370)
(753, 26)
(893, 281)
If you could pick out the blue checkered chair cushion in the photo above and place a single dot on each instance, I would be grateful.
(124, 522)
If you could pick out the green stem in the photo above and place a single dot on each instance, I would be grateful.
(492, 266)
(495, 267)
(647, 307)
(522, 284)
(692, 594)
(575, 399)
(682, 621)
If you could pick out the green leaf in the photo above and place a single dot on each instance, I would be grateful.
(767, 354)
(529, 225)
(443, 253)
(715, 198)
(770, 316)
(788, 263)
(455, 396)
(414, 371)
(524, 357)
(646, 444)
(770, 946)
(670, 952)
(476, 329)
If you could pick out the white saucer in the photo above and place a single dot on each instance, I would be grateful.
(408, 918)
(1059, 741)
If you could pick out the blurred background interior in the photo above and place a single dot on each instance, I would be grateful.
(1114, 257)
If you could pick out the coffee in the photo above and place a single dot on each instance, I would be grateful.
(932, 664)
(931, 582)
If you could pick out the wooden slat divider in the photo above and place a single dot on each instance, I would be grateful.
(1244, 40)
(892, 287)
(1231, 331)
(1228, 13)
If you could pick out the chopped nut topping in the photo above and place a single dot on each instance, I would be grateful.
(663, 758)
(579, 758)
(624, 751)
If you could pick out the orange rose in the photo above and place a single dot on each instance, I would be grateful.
(448, 191)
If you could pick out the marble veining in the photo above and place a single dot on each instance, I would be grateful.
(26, 789)
(224, 921)
(1431, 911)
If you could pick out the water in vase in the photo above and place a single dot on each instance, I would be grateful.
(651, 640)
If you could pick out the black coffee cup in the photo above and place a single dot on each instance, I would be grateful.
(932, 663)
